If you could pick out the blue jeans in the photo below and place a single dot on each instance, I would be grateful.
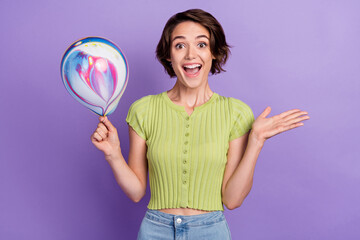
(157, 225)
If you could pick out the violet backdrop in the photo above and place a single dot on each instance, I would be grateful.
(286, 54)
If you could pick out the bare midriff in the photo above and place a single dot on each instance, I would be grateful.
(183, 211)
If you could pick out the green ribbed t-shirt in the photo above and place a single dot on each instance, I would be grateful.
(187, 154)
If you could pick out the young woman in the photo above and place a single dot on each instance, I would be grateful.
(196, 144)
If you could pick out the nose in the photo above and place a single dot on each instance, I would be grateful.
(190, 53)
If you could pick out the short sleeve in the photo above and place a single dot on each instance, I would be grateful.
(136, 117)
(242, 118)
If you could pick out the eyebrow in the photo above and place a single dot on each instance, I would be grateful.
(182, 37)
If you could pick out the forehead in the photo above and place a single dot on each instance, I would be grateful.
(189, 30)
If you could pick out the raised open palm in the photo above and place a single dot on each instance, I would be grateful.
(264, 128)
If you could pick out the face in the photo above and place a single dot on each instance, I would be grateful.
(190, 54)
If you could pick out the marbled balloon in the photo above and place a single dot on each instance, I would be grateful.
(95, 73)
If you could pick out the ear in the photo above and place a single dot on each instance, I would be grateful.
(212, 56)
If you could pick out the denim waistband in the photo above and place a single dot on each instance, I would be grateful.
(190, 220)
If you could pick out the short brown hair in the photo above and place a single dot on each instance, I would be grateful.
(218, 46)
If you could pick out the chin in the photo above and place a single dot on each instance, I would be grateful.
(193, 83)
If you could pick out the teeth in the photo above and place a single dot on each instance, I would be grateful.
(192, 66)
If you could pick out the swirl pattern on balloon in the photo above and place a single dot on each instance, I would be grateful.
(95, 73)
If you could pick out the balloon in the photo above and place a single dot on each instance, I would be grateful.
(95, 72)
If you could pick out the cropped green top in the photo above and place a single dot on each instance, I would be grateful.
(187, 154)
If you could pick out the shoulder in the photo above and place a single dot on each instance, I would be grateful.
(237, 104)
(141, 101)
(234, 103)
(138, 109)
(242, 118)
(144, 102)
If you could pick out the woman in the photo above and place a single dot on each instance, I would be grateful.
(196, 144)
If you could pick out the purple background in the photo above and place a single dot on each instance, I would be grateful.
(286, 54)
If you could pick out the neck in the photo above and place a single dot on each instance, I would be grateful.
(190, 97)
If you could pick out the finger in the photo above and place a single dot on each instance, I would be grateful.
(294, 125)
(291, 126)
(294, 115)
(283, 128)
(101, 133)
(102, 127)
(102, 118)
(266, 112)
(287, 113)
(97, 137)
(296, 120)
(108, 124)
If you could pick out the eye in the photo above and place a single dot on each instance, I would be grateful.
(202, 45)
(179, 46)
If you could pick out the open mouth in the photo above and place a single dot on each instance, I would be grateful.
(192, 69)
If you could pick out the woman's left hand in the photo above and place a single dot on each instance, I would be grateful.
(264, 128)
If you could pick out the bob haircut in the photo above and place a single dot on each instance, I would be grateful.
(218, 46)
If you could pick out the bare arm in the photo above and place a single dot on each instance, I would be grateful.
(244, 151)
(238, 177)
(131, 177)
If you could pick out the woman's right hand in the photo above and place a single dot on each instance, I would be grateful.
(106, 139)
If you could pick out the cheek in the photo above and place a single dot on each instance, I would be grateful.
(176, 66)
(206, 54)
(173, 59)
(208, 58)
